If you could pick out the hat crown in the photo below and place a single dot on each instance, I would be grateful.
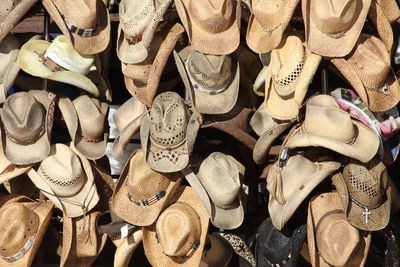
(178, 229)
(9, 47)
(269, 13)
(136, 16)
(91, 115)
(80, 13)
(19, 224)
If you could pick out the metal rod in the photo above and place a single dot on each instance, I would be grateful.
(324, 77)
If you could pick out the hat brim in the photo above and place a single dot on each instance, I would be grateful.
(228, 218)
(382, 25)
(219, 254)
(126, 247)
(11, 71)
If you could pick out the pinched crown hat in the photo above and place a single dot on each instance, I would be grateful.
(333, 27)
(168, 133)
(267, 23)
(323, 118)
(368, 71)
(365, 194)
(141, 193)
(213, 26)
(27, 119)
(66, 178)
(9, 68)
(85, 23)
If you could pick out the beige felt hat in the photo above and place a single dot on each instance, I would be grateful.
(26, 225)
(213, 26)
(57, 61)
(138, 23)
(289, 185)
(66, 178)
(267, 23)
(9, 68)
(369, 72)
(178, 236)
(333, 27)
(332, 240)
(27, 119)
(141, 193)
(211, 80)
(85, 23)
(323, 118)
(168, 133)
(365, 194)
(290, 72)
(85, 118)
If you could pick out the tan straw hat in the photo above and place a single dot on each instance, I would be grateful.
(85, 118)
(390, 9)
(365, 194)
(168, 133)
(57, 61)
(86, 23)
(369, 72)
(141, 193)
(213, 26)
(23, 227)
(220, 175)
(381, 24)
(27, 119)
(323, 118)
(9, 68)
(290, 72)
(267, 23)
(333, 27)
(11, 12)
(289, 185)
(211, 80)
(217, 252)
(332, 240)
(67, 180)
(178, 236)
(138, 23)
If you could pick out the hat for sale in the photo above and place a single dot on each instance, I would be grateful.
(213, 26)
(267, 23)
(323, 118)
(290, 72)
(168, 133)
(289, 185)
(332, 240)
(85, 118)
(333, 27)
(365, 194)
(369, 72)
(27, 119)
(178, 236)
(23, 227)
(67, 179)
(85, 23)
(217, 253)
(9, 68)
(57, 61)
(390, 9)
(138, 24)
(141, 193)
(211, 80)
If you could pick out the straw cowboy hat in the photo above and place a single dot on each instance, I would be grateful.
(9, 68)
(178, 236)
(332, 241)
(66, 178)
(138, 23)
(290, 72)
(381, 24)
(11, 13)
(57, 61)
(217, 253)
(141, 193)
(213, 26)
(85, 118)
(365, 194)
(168, 133)
(289, 185)
(333, 27)
(27, 119)
(322, 120)
(369, 72)
(390, 9)
(26, 225)
(136, 76)
(211, 80)
(85, 23)
(267, 23)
